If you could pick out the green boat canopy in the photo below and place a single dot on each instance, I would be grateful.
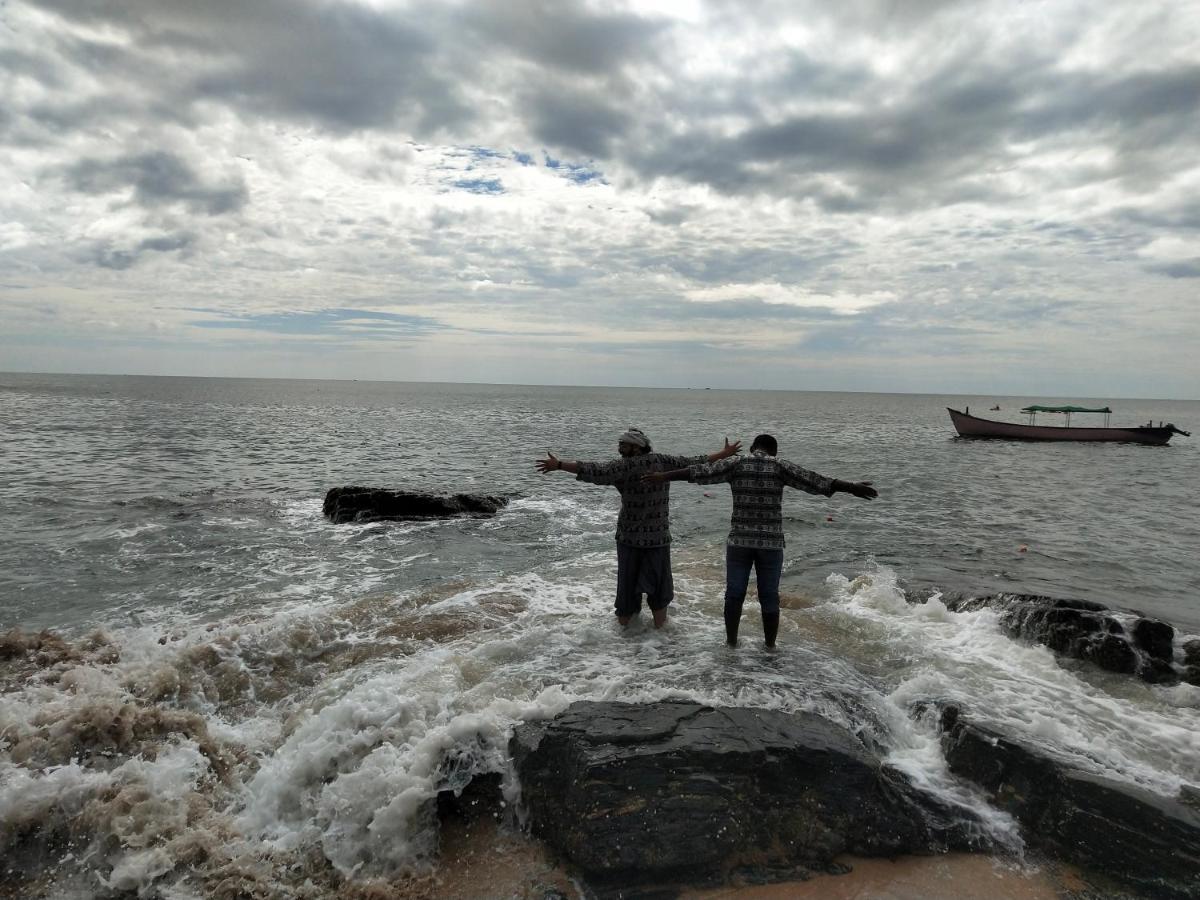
(1065, 409)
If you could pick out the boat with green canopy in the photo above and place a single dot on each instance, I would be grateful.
(970, 426)
(1066, 410)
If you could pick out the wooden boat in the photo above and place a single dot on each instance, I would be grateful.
(970, 426)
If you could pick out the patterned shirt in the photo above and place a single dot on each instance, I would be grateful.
(757, 481)
(644, 520)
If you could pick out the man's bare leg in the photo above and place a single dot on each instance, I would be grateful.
(660, 617)
(624, 620)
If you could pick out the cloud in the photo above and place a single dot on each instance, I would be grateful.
(773, 293)
(158, 179)
(526, 177)
(111, 257)
(337, 322)
(1183, 269)
(565, 37)
(581, 121)
(339, 64)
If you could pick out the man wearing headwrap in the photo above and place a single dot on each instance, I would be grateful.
(643, 526)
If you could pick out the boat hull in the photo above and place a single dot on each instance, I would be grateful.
(969, 426)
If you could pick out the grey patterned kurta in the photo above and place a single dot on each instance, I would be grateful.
(645, 508)
(758, 481)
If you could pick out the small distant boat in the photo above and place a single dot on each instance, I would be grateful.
(970, 426)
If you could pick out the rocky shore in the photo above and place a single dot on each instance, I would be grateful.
(1123, 641)
(687, 795)
(1145, 841)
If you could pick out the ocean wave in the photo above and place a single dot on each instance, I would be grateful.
(1100, 722)
(313, 735)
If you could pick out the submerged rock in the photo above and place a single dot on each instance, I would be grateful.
(361, 504)
(1085, 630)
(678, 791)
(1191, 661)
(1144, 840)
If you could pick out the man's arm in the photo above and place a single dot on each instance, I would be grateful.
(673, 475)
(682, 462)
(553, 464)
(609, 473)
(728, 450)
(861, 489)
(802, 479)
(705, 473)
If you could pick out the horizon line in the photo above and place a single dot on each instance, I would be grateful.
(589, 386)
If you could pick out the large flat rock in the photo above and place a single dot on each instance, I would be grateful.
(1139, 838)
(677, 791)
(363, 504)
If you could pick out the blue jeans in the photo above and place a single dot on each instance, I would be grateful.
(768, 566)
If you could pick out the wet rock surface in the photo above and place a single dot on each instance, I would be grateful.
(1143, 840)
(677, 791)
(1085, 630)
(1191, 661)
(363, 504)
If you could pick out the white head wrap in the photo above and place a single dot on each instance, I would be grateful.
(634, 436)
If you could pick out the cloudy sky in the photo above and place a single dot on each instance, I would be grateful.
(900, 195)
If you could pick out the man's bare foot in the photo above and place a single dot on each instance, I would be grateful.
(660, 617)
(771, 648)
(732, 643)
(624, 620)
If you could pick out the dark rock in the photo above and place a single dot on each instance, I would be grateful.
(1084, 630)
(676, 791)
(1191, 652)
(360, 504)
(1189, 795)
(1157, 671)
(481, 798)
(1156, 638)
(1141, 839)
(1108, 651)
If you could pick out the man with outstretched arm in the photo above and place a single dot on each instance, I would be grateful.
(643, 526)
(756, 532)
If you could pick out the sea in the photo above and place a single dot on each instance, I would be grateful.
(205, 683)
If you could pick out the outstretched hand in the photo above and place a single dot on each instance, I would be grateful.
(731, 449)
(551, 464)
(863, 489)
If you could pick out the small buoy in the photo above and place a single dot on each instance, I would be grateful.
(1023, 548)
(829, 518)
(708, 493)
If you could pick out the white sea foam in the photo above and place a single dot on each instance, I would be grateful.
(331, 722)
(130, 531)
(1132, 732)
(564, 520)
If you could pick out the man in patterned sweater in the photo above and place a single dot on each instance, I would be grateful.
(643, 526)
(756, 536)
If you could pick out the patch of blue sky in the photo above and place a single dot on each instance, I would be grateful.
(322, 322)
(478, 152)
(479, 185)
(580, 173)
(525, 159)
(584, 174)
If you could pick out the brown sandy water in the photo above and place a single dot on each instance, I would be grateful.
(482, 860)
(949, 877)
